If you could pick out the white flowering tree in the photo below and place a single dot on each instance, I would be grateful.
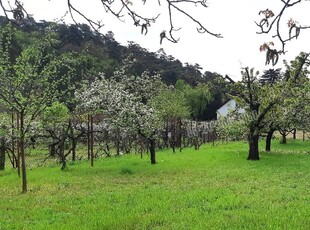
(125, 102)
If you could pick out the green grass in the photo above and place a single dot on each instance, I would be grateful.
(212, 188)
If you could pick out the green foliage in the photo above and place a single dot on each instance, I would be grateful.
(218, 89)
(85, 54)
(197, 98)
(56, 113)
(297, 68)
(5, 123)
(28, 83)
(257, 100)
(271, 76)
(293, 111)
(292, 87)
(6, 36)
(171, 104)
(232, 128)
(210, 188)
(182, 86)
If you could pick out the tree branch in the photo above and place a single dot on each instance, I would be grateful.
(277, 20)
(121, 8)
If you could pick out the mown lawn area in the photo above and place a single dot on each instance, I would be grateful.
(211, 188)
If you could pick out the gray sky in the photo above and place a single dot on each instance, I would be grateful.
(234, 19)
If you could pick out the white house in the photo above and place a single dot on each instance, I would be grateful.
(227, 107)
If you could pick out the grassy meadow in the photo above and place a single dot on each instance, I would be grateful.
(211, 188)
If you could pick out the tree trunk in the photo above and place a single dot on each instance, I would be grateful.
(91, 140)
(13, 161)
(152, 150)
(52, 149)
(88, 136)
(178, 132)
(294, 134)
(118, 142)
(166, 134)
(268, 140)
(73, 150)
(253, 145)
(23, 166)
(22, 154)
(18, 144)
(73, 144)
(283, 139)
(173, 148)
(61, 153)
(173, 135)
(2, 153)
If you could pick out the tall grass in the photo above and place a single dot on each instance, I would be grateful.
(211, 188)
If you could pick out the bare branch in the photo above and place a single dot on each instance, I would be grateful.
(19, 12)
(200, 28)
(265, 26)
(94, 25)
(122, 8)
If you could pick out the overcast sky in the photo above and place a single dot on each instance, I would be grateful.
(234, 19)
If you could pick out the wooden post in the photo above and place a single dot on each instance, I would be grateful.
(91, 141)
(88, 136)
(22, 153)
(72, 139)
(13, 142)
(18, 144)
(303, 135)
